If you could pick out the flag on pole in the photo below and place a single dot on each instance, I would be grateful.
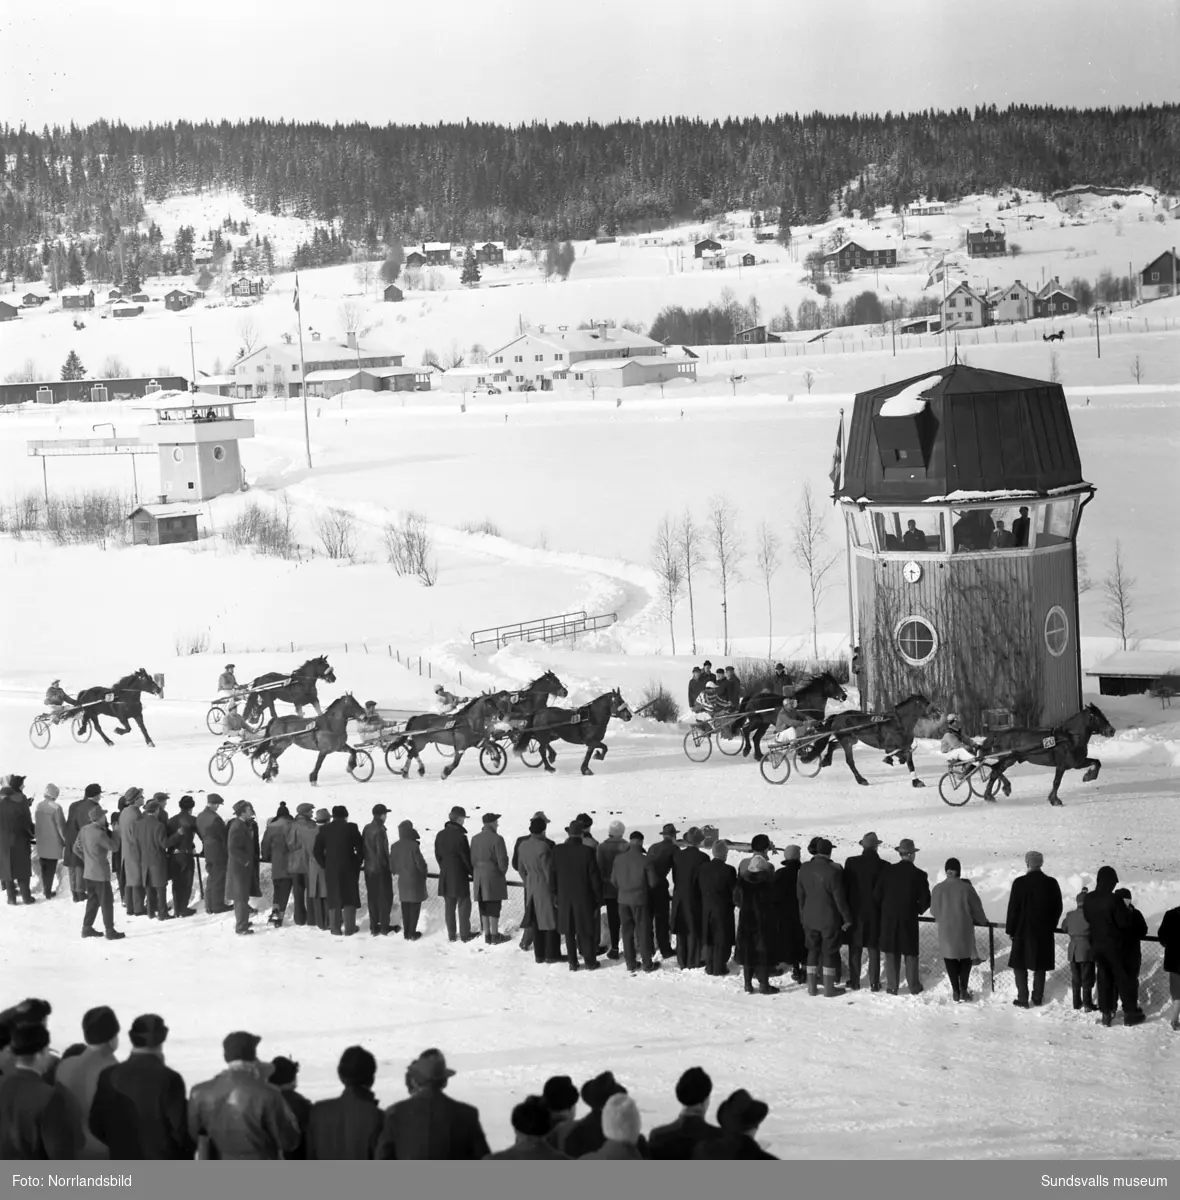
(837, 459)
(296, 293)
(938, 274)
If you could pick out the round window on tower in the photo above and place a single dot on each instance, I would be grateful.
(218, 453)
(916, 640)
(177, 454)
(1056, 631)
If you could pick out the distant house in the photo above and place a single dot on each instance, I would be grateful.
(216, 385)
(246, 287)
(705, 244)
(1159, 277)
(393, 294)
(127, 310)
(714, 259)
(76, 298)
(537, 358)
(33, 299)
(627, 372)
(754, 336)
(202, 256)
(415, 258)
(8, 312)
(113, 295)
(1054, 301)
(855, 256)
(438, 254)
(141, 298)
(926, 208)
(920, 325)
(986, 243)
(1013, 303)
(274, 369)
(176, 300)
(964, 307)
(748, 260)
(490, 252)
(163, 524)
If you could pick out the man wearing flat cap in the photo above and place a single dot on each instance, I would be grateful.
(452, 852)
(739, 1117)
(212, 830)
(378, 874)
(659, 898)
(134, 899)
(430, 1124)
(340, 852)
(902, 895)
(273, 849)
(579, 895)
(301, 835)
(861, 872)
(151, 840)
(824, 913)
(242, 882)
(489, 870)
(1034, 909)
(182, 856)
(687, 917)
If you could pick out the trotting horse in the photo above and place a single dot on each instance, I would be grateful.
(892, 732)
(761, 710)
(126, 705)
(585, 726)
(298, 689)
(325, 734)
(460, 730)
(1065, 748)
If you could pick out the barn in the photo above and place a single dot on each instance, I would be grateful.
(962, 494)
(8, 312)
(393, 294)
(711, 245)
(177, 301)
(163, 524)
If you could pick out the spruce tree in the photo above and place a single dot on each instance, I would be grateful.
(73, 368)
(470, 274)
(74, 272)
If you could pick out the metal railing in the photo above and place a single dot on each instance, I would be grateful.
(543, 629)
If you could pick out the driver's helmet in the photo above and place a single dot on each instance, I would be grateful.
(953, 721)
(438, 689)
(710, 686)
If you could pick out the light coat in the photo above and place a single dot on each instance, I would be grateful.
(407, 862)
(129, 847)
(274, 847)
(51, 830)
(535, 863)
(489, 866)
(957, 910)
(94, 846)
(1078, 928)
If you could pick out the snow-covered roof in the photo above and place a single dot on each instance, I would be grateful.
(219, 380)
(334, 376)
(389, 372)
(908, 402)
(617, 364)
(1140, 664)
(77, 292)
(167, 510)
(429, 246)
(869, 242)
(464, 372)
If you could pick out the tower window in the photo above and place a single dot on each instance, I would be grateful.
(1056, 631)
(916, 640)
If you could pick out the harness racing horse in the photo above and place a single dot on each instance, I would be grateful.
(583, 726)
(892, 732)
(325, 734)
(126, 706)
(761, 710)
(535, 696)
(1065, 748)
(460, 730)
(298, 689)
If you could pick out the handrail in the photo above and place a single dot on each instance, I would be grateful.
(543, 629)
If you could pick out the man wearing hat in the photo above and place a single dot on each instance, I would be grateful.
(238, 1114)
(453, 855)
(526, 932)
(182, 830)
(659, 867)
(227, 684)
(134, 899)
(139, 1109)
(792, 941)
(79, 1074)
(707, 672)
(630, 875)
(348, 1125)
(489, 871)
(560, 1098)
(38, 1119)
(678, 1139)
(406, 861)
(378, 874)
(242, 881)
(17, 837)
(824, 912)
(301, 835)
(579, 894)
(94, 846)
(340, 851)
(430, 1124)
(212, 830)
(687, 916)
(588, 1135)
(861, 872)
(739, 1118)
(77, 818)
(50, 823)
(695, 683)
(1034, 908)
(534, 861)
(717, 880)
(781, 684)
(530, 1123)
(284, 1075)
(317, 879)
(151, 840)
(607, 852)
(273, 849)
(902, 895)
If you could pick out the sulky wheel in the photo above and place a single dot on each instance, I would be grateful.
(729, 740)
(698, 745)
(492, 758)
(221, 767)
(363, 771)
(215, 720)
(980, 778)
(810, 766)
(443, 751)
(531, 754)
(954, 789)
(39, 732)
(81, 729)
(776, 766)
(255, 721)
(395, 757)
(259, 764)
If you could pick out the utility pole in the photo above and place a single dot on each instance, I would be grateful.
(192, 356)
(303, 378)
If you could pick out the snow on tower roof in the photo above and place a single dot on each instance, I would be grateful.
(909, 401)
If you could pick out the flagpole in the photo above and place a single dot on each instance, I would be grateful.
(303, 376)
(944, 319)
(847, 549)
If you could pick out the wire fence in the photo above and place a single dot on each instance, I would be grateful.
(412, 662)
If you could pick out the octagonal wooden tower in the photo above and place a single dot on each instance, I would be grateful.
(962, 494)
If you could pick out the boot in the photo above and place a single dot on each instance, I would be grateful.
(813, 981)
(764, 984)
(830, 988)
(1134, 1018)
(113, 935)
(91, 933)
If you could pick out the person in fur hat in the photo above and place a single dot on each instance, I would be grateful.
(757, 925)
(620, 1130)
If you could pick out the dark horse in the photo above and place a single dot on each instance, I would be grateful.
(585, 726)
(761, 710)
(125, 704)
(325, 734)
(1059, 336)
(460, 730)
(892, 732)
(531, 699)
(298, 689)
(1065, 748)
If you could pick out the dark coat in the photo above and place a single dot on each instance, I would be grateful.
(151, 840)
(1169, 936)
(1110, 921)
(586, 1135)
(579, 885)
(38, 1119)
(347, 1126)
(1034, 909)
(607, 852)
(432, 1125)
(687, 913)
(257, 1125)
(659, 863)
(820, 891)
(77, 818)
(757, 931)
(861, 873)
(630, 874)
(902, 895)
(534, 857)
(406, 861)
(300, 1107)
(731, 1145)
(452, 852)
(274, 847)
(489, 866)
(140, 1111)
(16, 837)
(792, 944)
(213, 833)
(679, 1139)
(533, 1148)
(717, 882)
(695, 686)
(375, 841)
(1135, 935)
(340, 851)
(241, 872)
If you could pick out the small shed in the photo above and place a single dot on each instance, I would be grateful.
(176, 300)
(415, 258)
(127, 310)
(393, 294)
(754, 336)
(141, 298)
(8, 312)
(1133, 672)
(163, 524)
(114, 294)
(748, 260)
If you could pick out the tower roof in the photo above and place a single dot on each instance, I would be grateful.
(958, 430)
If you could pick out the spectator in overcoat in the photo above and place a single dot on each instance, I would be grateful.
(284, 1075)
(560, 1098)
(687, 917)
(94, 846)
(241, 877)
(182, 829)
(957, 910)
(453, 855)
(38, 1119)
(134, 897)
(1169, 936)
(50, 823)
(340, 853)
(659, 867)
(792, 941)
(679, 1139)
(79, 1075)
(739, 1117)
(579, 893)
(1034, 908)
(301, 834)
(587, 823)
(139, 1108)
(406, 861)
(489, 871)
(151, 840)
(430, 1124)
(861, 872)
(273, 849)
(257, 1124)
(317, 877)
(824, 914)
(607, 852)
(534, 857)
(902, 895)
(526, 930)
(717, 881)
(1110, 930)
(28, 1012)
(77, 818)
(756, 931)
(1136, 931)
(1081, 956)
(378, 873)
(213, 832)
(17, 835)
(695, 683)
(530, 1123)
(348, 1126)
(620, 1130)
(630, 875)
(587, 1134)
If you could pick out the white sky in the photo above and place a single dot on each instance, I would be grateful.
(515, 61)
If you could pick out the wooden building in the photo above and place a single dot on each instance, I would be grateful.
(163, 524)
(965, 308)
(393, 294)
(748, 260)
(76, 298)
(34, 299)
(141, 298)
(1159, 277)
(247, 287)
(177, 301)
(114, 294)
(962, 495)
(986, 243)
(198, 447)
(1054, 301)
(490, 252)
(415, 259)
(438, 254)
(127, 310)
(754, 336)
(8, 312)
(1134, 672)
(1013, 303)
(98, 391)
(704, 244)
(859, 255)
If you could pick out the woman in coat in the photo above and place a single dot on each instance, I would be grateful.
(957, 910)
(489, 873)
(16, 840)
(535, 863)
(757, 930)
(340, 850)
(407, 863)
(50, 823)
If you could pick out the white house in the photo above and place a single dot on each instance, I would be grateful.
(1013, 303)
(534, 357)
(964, 307)
(274, 369)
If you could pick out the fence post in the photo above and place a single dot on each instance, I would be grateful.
(419, 664)
(399, 656)
(292, 647)
(991, 953)
(429, 671)
(345, 647)
(460, 678)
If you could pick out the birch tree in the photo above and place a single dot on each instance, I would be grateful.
(690, 545)
(728, 551)
(809, 549)
(665, 561)
(769, 561)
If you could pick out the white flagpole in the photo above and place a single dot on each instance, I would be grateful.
(303, 375)
(847, 547)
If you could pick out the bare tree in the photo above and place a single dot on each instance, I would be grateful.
(410, 549)
(365, 273)
(725, 542)
(1118, 589)
(809, 379)
(114, 367)
(1137, 368)
(690, 546)
(1085, 583)
(665, 561)
(454, 357)
(809, 549)
(351, 314)
(336, 530)
(248, 332)
(769, 561)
